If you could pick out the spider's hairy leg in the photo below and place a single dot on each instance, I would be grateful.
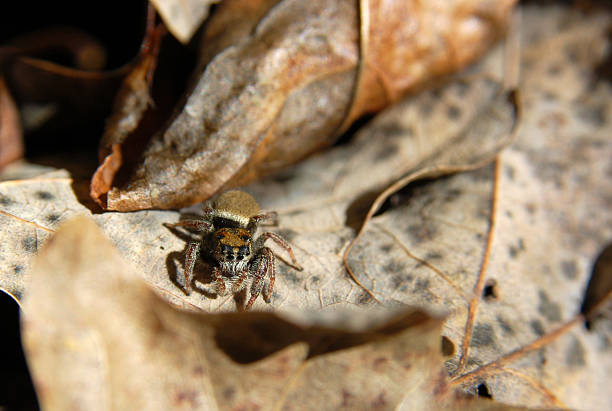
(190, 258)
(267, 291)
(209, 213)
(221, 289)
(199, 225)
(282, 243)
(269, 215)
(260, 267)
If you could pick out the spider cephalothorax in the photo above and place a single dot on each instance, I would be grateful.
(227, 231)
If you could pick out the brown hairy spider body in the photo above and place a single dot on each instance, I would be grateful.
(228, 230)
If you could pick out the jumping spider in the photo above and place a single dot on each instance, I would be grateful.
(227, 237)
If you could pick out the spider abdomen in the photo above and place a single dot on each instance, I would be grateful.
(235, 207)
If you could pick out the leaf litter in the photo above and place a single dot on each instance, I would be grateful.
(546, 195)
(120, 346)
(282, 79)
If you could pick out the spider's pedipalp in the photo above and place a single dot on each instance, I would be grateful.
(258, 218)
(240, 282)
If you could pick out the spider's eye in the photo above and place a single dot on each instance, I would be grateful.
(245, 237)
(220, 236)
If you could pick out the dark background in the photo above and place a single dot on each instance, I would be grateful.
(119, 26)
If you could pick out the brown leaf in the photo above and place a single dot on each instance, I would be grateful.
(91, 327)
(485, 136)
(510, 255)
(402, 131)
(11, 134)
(31, 208)
(405, 44)
(131, 108)
(276, 93)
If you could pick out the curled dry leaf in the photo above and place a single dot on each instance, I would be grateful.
(131, 106)
(150, 355)
(289, 78)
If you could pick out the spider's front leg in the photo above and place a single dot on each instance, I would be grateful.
(198, 225)
(281, 242)
(190, 258)
(193, 248)
(239, 283)
(254, 221)
(262, 265)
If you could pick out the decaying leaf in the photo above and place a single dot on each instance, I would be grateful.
(132, 103)
(183, 17)
(416, 135)
(506, 250)
(286, 81)
(98, 338)
(540, 217)
(11, 144)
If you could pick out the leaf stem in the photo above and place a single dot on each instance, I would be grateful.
(473, 307)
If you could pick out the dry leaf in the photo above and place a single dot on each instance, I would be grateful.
(91, 328)
(444, 142)
(506, 249)
(11, 144)
(132, 106)
(510, 256)
(183, 17)
(286, 81)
